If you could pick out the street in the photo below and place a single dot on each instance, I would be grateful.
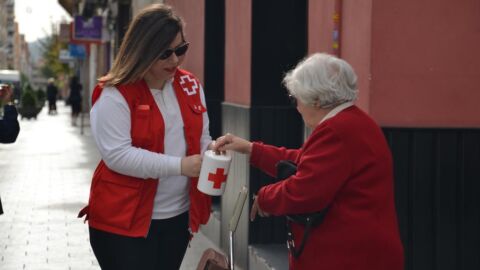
(44, 181)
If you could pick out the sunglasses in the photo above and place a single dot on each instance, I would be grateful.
(179, 51)
(293, 100)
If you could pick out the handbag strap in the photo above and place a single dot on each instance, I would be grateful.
(290, 242)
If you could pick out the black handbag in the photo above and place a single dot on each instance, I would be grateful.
(285, 169)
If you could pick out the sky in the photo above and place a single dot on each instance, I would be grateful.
(35, 17)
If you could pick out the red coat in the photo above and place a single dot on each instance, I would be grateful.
(123, 204)
(345, 164)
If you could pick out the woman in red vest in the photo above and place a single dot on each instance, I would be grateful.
(344, 170)
(150, 125)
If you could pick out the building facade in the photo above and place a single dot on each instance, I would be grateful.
(3, 34)
(14, 52)
(422, 94)
(418, 78)
(7, 34)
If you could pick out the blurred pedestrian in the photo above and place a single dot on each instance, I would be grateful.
(9, 126)
(52, 93)
(344, 169)
(75, 99)
(150, 124)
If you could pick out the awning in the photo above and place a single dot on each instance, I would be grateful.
(68, 5)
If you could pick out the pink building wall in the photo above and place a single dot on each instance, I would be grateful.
(237, 44)
(193, 13)
(354, 39)
(417, 61)
(238, 24)
(356, 45)
(320, 26)
(425, 63)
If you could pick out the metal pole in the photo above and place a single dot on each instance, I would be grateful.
(81, 122)
(231, 250)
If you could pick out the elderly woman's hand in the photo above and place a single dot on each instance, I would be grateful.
(232, 142)
(256, 209)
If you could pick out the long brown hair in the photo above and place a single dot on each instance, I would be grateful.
(150, 33)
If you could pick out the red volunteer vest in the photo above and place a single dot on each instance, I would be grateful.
(123, 204)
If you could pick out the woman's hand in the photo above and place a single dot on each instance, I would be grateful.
(232, 142)
(256, 209)
(191, 165)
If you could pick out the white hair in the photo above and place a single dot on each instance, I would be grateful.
(322, 80)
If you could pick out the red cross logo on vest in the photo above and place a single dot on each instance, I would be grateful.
(189, 85)
(218, 178)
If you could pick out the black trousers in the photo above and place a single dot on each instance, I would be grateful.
(162, 249)
(52, 105)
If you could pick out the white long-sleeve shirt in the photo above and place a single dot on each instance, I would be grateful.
(111, 124)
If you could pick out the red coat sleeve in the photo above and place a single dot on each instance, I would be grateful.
(265, 157)
(322, 169)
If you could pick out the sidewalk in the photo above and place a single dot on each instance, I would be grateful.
(44, 181)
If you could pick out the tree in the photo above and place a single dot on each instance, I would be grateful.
(52, 67)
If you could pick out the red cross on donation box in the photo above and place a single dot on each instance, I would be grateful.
(218, 178)
(214, 172)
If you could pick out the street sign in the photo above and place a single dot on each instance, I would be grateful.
(77, 51)
(65, 56)
(87, 30)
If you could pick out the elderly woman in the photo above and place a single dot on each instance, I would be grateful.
(345, 166)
